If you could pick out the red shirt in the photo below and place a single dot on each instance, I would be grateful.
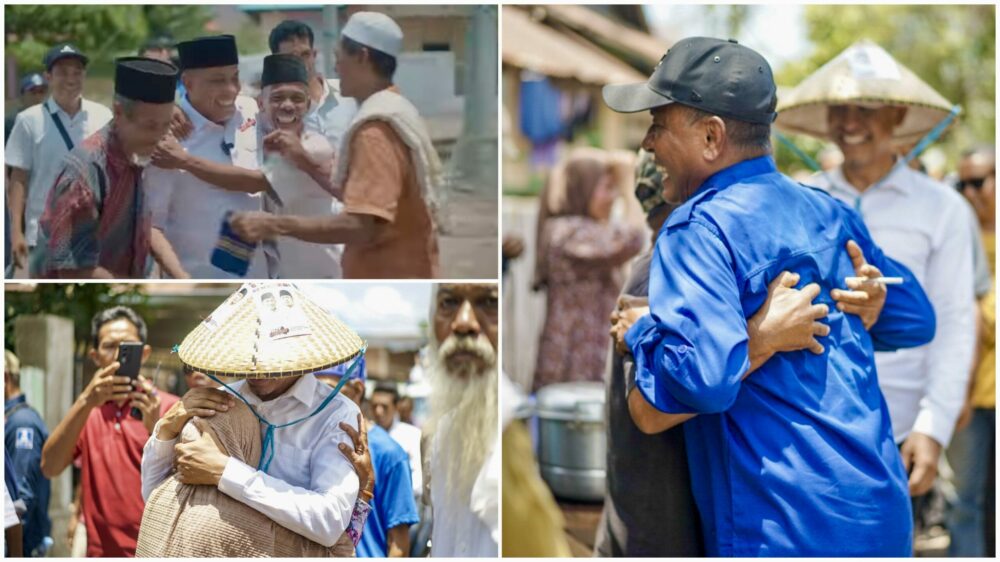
(109, 452)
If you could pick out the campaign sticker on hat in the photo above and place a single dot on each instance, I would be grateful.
(280, 315)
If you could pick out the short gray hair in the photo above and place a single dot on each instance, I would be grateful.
(127, 104)
(749, 137)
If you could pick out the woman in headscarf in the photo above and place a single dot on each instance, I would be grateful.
(578, 260)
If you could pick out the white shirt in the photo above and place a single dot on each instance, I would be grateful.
(35, 145)
(310, 487)
(190, 211)
(300, 195)
(924, 225)
(463, 526)
(9, 513)
(332, 114)
(408, 437)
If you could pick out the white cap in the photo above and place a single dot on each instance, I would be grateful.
(375, 30)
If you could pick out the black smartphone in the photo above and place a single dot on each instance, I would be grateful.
(129, 360)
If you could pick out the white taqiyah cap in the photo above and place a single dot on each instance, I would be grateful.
(375, 30)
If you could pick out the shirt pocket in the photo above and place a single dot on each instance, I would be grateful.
(908, 244)
(294, 463)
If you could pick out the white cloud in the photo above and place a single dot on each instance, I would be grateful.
(374, 309)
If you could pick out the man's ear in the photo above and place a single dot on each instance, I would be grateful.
(714, 137)
(146, 351)
(92, 354)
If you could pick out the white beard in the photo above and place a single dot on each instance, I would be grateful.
(469, 404)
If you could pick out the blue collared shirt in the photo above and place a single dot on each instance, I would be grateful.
(798, 459)
(393, 504)
(24, 436)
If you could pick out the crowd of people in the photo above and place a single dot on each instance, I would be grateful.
(790, 362)
(187, 177)
(292, 465)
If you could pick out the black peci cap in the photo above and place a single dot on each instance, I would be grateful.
(145, 80)
(283, 69)
(63, 51)
(719, 77)
(208, 52)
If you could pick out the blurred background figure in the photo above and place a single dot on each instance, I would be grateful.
(24, 436)
(385, 401)
(33, 90)
(972, 452)
(160, 48)
(578, 260)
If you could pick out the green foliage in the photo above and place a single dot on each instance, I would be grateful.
(951, 47)
(102, 32)
(78, 302)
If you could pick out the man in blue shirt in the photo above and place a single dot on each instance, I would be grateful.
(387, 530)
(797, 459)
(24, 435)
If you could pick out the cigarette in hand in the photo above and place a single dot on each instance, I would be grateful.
(874, 280)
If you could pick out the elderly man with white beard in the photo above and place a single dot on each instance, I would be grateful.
(462, 429)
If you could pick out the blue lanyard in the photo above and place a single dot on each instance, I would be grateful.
(267, 449)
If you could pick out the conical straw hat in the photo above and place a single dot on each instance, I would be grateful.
(863, 74)
(268, 330)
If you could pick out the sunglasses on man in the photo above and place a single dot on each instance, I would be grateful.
(974, 183)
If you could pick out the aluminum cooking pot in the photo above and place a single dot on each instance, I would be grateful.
(572, 440)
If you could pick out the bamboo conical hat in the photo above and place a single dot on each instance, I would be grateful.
(863, 74)
(268, 330)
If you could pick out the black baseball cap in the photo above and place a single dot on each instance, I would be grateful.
(719, 77)
(62, 51)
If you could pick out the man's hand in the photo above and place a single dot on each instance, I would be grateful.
(254, 226)
(920, 458)
(200, 462)
(19, 248)
(169, 154)
(202, 402)
(147, 400)
(286, 143)
(180, 124)
(106, 386)
(360, 456)
(622, 319)
(864, 299)
(964, 417)
(788, 321)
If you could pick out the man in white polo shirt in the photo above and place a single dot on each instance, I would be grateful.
(42, 137)
(877, 107)
(188, 212)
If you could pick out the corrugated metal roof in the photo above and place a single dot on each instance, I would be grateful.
(533, 46)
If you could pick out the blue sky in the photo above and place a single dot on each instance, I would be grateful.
(777, 32)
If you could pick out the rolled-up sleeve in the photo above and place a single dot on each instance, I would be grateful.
(691, 351)
(321, 513)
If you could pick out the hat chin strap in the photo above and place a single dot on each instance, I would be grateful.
(267, 448)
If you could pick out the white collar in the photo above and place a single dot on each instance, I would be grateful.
(897, 180)
(50, 105)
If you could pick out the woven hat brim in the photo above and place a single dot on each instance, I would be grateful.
(803, 108)
(237, 348)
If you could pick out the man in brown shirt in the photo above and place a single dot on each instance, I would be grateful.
(388, 169)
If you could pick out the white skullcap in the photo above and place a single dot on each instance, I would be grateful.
(375, 30)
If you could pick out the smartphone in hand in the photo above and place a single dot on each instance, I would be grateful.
(129, 360)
